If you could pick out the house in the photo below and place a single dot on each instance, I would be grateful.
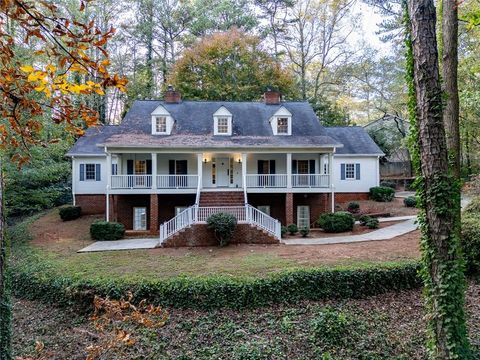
(391, 131)
(172, 163)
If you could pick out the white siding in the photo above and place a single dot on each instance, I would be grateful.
(90, 186)
(369, 175)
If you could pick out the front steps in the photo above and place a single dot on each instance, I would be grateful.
(221, 199)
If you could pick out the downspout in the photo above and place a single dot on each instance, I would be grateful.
(74, 177)
(332, 184)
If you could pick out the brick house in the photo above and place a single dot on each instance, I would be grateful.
(172, 163)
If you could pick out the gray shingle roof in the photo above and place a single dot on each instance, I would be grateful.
(193, 128)
(355, 140)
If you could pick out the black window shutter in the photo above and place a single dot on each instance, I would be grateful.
(82, 172)
(130, 167)
(98, 175)
(260, 166)
(272, 166)
(294, 166)
(149, 167)
(171, 167)
(182, 167)
(312, 167)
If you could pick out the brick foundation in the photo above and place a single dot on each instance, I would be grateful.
(91, 204)
(200, 235)
(289, 210)
(154, 227)
(124, 208)
(318, 204)
(345, 197)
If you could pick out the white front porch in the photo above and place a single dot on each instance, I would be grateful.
(137, 173)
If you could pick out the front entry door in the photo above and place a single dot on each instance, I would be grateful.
(223, 171)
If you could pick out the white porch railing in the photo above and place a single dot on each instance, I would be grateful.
(185, 219)
(131, 181)
(266, 180)
(205, 212)
(310, 180)
(194, 214)
(177, 181)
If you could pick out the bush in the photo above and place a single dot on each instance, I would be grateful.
(304, 231)
(292, 229)
(410, 201)
(223, 225)
(372, 223)
(353, 207)
(387, 183)
(336, 222)
(364, 219)
(283, 231)
(70, 213)
(104, 230)
(330, 327)
(382, 193)
(471, 241)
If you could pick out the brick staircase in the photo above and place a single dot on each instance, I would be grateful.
(221, 198)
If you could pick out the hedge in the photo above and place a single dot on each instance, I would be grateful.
(104, 230)
(336, 222)
(68, 213)
(34, 277)
(382, 193)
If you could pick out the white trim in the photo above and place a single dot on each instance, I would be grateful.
(358, 155)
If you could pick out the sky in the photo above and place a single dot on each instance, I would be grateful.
(370, 21)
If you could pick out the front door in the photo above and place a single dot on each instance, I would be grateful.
(223, 171)
(302, 169)
(139, 218)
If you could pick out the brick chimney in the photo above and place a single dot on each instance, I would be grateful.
(172, 96)
(272, 97)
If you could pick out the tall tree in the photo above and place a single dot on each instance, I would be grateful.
(442, 269)
(229, 66)
(451, 111)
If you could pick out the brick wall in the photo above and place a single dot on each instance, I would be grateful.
(167, 203)
(318, 204)
(200, 235)
(276, 202)
(91, 204)
(154, 227)
(289, 210)
(124, 208)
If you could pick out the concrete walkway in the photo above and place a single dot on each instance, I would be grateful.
(130, 244)
(386, 233)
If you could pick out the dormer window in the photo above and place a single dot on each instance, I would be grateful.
(162, 121)
(222, 122)
(161, 124)
(281, 122)
(282, 125)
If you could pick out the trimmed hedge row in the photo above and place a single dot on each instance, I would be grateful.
(33, 280)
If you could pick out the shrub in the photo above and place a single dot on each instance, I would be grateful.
(471, 241)
(388, 183)
(330, 327)
(223, 225)
(372, 223)
(283, 231)
(336, 222)
(364, 219)
(382, 193)
(292, 229)
(473, 207)
(410, 201)
(104, 230)
(304, 231)
(70, 213)
(353, 207)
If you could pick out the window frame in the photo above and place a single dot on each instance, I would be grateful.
(94, 165)
(285, 126)
(157, 118)
(217, 125)
(264, 207)
(142, 221)
(298, 216)
(352, 171)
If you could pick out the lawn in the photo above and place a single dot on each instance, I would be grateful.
(58, 242)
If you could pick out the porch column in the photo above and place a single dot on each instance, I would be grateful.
(109, 183)
(200, 169)
(289, 170)
(154, 170)
(289, 208)
(154, 226)
(332, 185)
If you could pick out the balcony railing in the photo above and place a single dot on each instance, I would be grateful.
(267, 180)
(310, 181)
(177, 181)
(131, 181)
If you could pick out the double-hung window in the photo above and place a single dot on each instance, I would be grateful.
(222, 125)
(349, 171)
(282, 125)
(161, 124)
(89, 171)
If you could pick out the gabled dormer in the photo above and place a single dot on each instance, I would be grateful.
(162, 121)
(222, 122)
(281, 122)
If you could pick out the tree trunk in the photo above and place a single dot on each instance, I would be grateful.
(442, 270)
(5, 303)
(449, 72)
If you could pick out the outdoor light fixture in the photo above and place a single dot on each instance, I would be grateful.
(205, 160)
(239, 160)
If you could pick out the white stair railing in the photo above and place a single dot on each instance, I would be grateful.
(263, 221)
(204, 212)
(186, 218)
